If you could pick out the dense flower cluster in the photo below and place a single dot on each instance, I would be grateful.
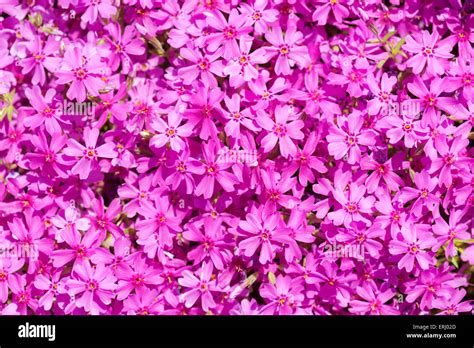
(236, 157)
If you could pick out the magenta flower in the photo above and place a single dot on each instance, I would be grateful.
(104, 8)
(83, 73)
(259, 15)
(424, 198)
(260, 232)
(428, 51)
(382, 95)
(413, 248)
(380, 171)
(283, 296)
(454, 304)
(451, 158)
(88, 154)
(103, 220)
(352, 205)
(353, 75)
(287, 48)
(79, 247)
(8, 267)
(305, 162)
(94, 287)
(430, 100)
(224, 42)
(336, 7)
(374, 303)
(201, 288)
(203, 66)
(405, 128)
(123, 45)
(348, 137)
(135, 276)
(41, 58)
(212, 246)
(171, 132)
(213, 170)
(52, 285)
(281, 130)
(447, 233)
(237, 117)
(159, 218)
(48, 156)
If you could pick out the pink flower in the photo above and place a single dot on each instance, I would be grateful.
(413, 248)
(380, 171)
(260, 232)
(41, 58)
(454, 304)
(96, 7)
(305, 162)
(203, 66)
(84, 73)
(259, 16)
(382, 95)
(446, 233)
(430, 100)
(134, 276)
(95, 286)
(288, 49)
(323, 8)
(229, 31)
(52, 285)
(201, 287)
(348, 137)
(213, 170)
(172, 133)
(211, 243)
(424, 198)
(428, 50)
(79, 247)
(452, 158)
(284, 296)
(374, 302)
(281, 130)
(352, 204)
(88, 154)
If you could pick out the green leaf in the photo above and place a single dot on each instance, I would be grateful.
(398, 46)
(381, 63)
(454, 261)
(388, 36)
(271, 277)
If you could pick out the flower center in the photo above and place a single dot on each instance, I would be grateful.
(171, 132)
(92, 285)
(90, 152)
(413, 248)
(450, 158)
(284, 50)
(351, 140)
(279, 129)
(351, 207)
(203, 64)
(80, 74)
(229, 32)
(256, 15)
(407, 127)
(428, 51)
